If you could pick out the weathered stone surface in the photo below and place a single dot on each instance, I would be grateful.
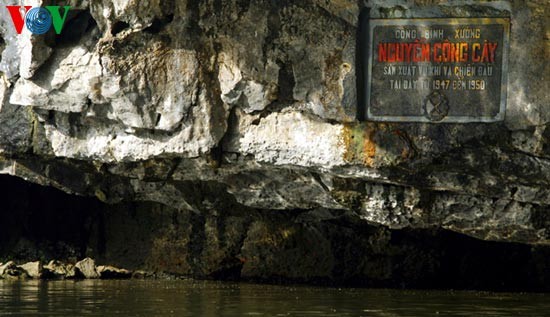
(139, 274)
(4, 267)
(192, 104)
(72, 272)
(86, 268)
(111, 272)
(234, 242)
(57, 269)
(10, 271)
(33, 269)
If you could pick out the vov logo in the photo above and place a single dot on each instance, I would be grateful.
(38, 20)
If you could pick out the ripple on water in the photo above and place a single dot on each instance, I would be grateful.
(200, 298)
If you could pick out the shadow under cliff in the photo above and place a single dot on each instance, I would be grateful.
(238, 243)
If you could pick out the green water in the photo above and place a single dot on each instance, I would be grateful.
(197, 298)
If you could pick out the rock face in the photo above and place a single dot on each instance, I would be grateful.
(240, 118)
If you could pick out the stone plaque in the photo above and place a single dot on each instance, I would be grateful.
(437, 70)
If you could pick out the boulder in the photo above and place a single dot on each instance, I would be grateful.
(141, 274)
(11, 271)
(33, 269)
(87, 268)
(110, 272)
(55, 269)
(5, 267)
(72, 272)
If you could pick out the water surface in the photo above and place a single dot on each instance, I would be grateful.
(200, 298)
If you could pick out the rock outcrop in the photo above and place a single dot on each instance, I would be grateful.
(244, 121)
(84, 269)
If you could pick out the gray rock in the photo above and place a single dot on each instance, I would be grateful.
(140, 274)
(87, 268)
(33, 269)
(11, 271)
(55, 269)
(110, 272)
(72, 272)
(5, 267)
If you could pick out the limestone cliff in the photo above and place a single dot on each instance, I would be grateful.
(246, 113)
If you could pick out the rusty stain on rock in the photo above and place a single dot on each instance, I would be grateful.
(369, 146)
(376, 144)
(359, 143)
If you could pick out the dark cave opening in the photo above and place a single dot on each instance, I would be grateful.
(43, 223)
(79, 23)
(118, 27)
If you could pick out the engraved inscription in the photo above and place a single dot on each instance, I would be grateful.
(437, 70)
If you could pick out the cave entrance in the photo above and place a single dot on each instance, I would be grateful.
(239, 243)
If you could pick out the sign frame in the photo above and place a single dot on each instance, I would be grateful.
(368, 65)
